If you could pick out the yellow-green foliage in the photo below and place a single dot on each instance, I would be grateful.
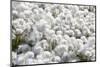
(52, 44)
(17, 41)
(83, 57)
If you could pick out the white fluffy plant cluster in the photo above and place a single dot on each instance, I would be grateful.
(52, 33)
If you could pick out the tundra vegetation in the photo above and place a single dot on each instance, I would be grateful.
(52, 33)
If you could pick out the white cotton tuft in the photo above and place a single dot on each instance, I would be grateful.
(60, 49)
(14, 57)
(29, 54)
(23, 48)
(56, 59)
(37, 49)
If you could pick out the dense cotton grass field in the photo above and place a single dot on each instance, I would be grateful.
(52, 33)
